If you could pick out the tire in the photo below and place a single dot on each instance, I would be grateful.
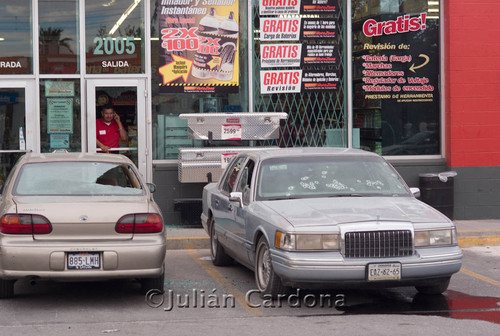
(268, 283)
(6, 288)
(157, 283)
(217, 253)
(438, 288)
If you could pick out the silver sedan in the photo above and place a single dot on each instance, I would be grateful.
(326, 217)
(72, 216)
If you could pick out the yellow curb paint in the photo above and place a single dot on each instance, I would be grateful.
(221, 280)
(478, 240)
(469, 231)
(480, 277)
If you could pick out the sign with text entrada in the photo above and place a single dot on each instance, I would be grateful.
(199, 48)
(293, 44)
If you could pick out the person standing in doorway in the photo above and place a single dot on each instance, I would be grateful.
(109, 129)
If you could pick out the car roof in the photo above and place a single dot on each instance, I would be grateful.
(309, 151)
(66, 157)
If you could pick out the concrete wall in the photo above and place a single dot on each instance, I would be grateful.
(169, 191)
(477, 193)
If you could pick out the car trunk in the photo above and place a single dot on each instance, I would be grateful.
(77, 218)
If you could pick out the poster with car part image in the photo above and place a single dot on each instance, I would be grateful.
(199, 46)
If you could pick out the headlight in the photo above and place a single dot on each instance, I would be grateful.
(304, 242)
(435, 237)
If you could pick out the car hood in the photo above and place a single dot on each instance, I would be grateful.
(340, 210)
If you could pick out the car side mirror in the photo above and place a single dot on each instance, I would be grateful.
(236, 196)
(151, 187)
(415, 192)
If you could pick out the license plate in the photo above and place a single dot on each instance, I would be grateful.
(378, 272)
(84, 260)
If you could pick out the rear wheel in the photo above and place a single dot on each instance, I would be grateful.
(267, 281)
(437, 288)
(6, 288)
(153, 283)
(217, 253)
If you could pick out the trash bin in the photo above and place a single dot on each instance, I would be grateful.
(436, 189)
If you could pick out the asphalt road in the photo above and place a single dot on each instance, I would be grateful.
(203, 299)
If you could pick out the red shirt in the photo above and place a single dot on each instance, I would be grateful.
(108, 135)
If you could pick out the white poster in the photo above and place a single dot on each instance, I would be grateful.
(280, 29)
(273, 7)
(280, 55)
(281, 81)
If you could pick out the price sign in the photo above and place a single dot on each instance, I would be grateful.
(231, 132)
(225, 158)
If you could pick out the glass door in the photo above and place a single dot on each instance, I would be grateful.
(116, 119)
(17, 123)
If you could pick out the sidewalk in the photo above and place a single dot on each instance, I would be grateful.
(470, 233)
(478, 232)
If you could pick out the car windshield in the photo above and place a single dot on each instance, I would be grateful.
(77, 178)
(328, 176)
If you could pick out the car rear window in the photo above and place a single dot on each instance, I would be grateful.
(77, 178)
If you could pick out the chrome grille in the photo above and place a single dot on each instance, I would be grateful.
(378, 244)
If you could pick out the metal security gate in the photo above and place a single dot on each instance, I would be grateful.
(314, 118)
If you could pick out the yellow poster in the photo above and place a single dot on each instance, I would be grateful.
(199, 46)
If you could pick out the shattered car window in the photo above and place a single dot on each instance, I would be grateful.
(328, 177)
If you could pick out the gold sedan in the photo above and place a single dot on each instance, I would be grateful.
(74, 216)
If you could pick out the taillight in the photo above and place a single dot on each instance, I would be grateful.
(140, 223)
(25, 224)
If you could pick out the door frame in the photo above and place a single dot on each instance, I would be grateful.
(144, 162)
(31, 115)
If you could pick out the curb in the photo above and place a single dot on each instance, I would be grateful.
(188, 243)
(478, 241)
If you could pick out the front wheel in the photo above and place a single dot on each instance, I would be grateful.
(267, 281)
(437, 288)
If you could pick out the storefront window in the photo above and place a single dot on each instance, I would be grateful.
(16, 37)
(12, 128)
(298, 68)
(396, 57)
(219, 83)
(58, 36)
(114, 36)
(60, 124)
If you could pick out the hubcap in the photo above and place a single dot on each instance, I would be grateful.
(213, 241)
(264, 267)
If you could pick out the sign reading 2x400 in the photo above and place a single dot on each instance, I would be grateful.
(111, 45)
